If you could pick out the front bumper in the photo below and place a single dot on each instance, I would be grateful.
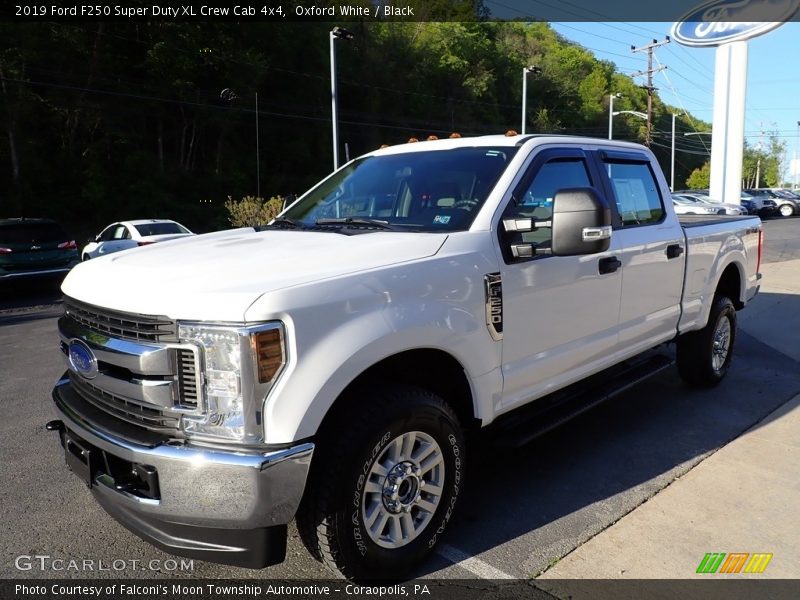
(222, 506)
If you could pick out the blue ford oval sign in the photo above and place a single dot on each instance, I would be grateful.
(723, 21)
(82, 359)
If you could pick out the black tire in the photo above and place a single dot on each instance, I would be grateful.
(786, 210)
(85, 257)
(696, 350)
(331, 518)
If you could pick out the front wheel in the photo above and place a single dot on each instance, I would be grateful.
(704, 356)
(386, 483)
(786, 210)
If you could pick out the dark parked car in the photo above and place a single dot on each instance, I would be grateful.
(786, 203)
(31, 247)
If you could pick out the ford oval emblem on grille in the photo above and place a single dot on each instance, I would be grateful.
(82, 359)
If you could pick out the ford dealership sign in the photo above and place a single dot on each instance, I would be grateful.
(723, 21)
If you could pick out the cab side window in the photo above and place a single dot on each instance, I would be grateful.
(121, 233)
(534, 198)
(638, 199)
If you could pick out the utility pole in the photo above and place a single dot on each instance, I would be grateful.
(649, 86)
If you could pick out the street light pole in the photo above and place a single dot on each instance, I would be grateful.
(611, 113)
(228, 95)
(525, 70)
(672, 159)
(258, 161)
(340, 33)
(796, 164)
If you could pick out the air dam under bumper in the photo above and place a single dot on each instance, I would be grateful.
(225, 507)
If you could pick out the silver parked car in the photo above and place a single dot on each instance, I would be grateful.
(690, 206)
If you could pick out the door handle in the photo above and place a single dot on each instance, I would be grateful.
(674, 250)
(609, 264)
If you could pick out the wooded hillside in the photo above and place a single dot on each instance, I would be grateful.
(108, 121)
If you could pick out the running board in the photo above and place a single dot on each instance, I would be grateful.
(525, 424)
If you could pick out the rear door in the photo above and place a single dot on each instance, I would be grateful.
(652, 248)
(560, 313)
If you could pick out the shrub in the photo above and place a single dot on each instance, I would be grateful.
(251, 211)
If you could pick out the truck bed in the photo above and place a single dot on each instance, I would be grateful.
(688, 221)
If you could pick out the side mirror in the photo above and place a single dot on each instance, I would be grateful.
(581, 223)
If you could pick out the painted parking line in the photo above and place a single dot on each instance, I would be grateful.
(474, 565)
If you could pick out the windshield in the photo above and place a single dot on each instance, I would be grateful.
(160, 229)
(440, 190)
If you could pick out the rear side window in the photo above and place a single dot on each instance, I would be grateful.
(638, 199)
(31, 233)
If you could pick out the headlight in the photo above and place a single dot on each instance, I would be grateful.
(239, 365)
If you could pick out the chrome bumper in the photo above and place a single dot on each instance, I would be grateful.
(215, 505)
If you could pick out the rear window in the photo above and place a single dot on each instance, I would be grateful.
(160, 229)
(31, 233)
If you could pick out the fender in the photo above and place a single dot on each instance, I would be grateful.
(339, 328)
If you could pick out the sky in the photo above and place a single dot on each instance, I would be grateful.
(773, 82)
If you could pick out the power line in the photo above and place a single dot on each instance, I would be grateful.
(683, 107)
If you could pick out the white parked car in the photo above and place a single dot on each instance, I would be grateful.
(729, 208)
(130, 234)
(690, 206)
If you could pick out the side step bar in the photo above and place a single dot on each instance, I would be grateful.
(525, 424)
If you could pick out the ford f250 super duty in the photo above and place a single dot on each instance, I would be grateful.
(327, 366)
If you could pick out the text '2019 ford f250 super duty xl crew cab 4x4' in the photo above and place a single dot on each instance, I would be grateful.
(326, 367)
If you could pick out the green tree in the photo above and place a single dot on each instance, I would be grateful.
(700, 178)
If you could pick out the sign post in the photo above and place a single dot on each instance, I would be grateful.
(727, 24)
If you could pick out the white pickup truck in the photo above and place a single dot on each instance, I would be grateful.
(326, 367)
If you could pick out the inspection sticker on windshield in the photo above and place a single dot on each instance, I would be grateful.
(441, 219)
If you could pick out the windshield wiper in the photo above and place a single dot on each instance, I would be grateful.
(357, 222)
(280, 222)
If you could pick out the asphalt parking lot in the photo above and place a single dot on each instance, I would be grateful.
(522, 512)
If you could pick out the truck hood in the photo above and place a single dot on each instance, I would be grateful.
(215, 277)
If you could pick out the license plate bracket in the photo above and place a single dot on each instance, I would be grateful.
(80, 458)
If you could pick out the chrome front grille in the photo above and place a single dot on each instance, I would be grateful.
(143, 376)
(121, 325)
(150, 417)
(187, 378)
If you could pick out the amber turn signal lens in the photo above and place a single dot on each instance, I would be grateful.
(268, 351)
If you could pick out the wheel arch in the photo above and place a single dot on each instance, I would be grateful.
(431, 369)
(731, 284)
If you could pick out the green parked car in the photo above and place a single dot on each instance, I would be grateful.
(31, 247)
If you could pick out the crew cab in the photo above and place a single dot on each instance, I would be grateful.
(327, 366)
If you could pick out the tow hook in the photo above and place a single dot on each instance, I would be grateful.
(57, 425)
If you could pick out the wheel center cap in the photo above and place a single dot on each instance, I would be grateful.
(401, 488)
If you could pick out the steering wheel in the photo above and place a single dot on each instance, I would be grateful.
(465, 204)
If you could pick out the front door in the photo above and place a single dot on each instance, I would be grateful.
(560, 313)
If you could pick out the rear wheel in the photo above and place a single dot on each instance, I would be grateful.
(385, 483)
(786, 210)
(85, 257)
(704, 356)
